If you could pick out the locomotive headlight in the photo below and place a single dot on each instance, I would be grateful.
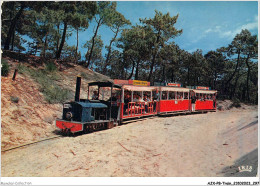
(69, 115)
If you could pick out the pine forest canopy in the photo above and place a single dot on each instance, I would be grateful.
(144, 51)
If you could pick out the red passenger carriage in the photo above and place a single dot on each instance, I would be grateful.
(173, 99)
(205, 99)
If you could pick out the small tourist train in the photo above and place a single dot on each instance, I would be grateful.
(108, 104)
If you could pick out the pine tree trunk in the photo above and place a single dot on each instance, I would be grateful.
(109, 52)
(132, 72)
(77, 45)
(247, 79)
(58, 38)
(188, 76)
(45, 45)
(137, 69)
(163, 74)
(154, 56)
(172, 75)
(12, 26)
(62, 40)
(231, 77)
(93, 42)
(234, 89)
(12, 46)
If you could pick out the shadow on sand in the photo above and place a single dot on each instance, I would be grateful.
(250, 159)
(249, 125)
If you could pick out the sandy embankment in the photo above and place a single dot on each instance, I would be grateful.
(209, 144)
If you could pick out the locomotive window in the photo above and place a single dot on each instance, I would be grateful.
(164, 95)
(171, 95)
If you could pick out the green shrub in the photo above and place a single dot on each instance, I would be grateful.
(51, 91)
(236, 103)
(5, 68)
(50, 67)
(14, 99)
(84, 75)
(22, 69)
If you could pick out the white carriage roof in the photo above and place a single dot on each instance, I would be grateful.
(204, 91)
(138, 88)
(175, 89)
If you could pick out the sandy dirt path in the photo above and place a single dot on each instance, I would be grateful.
(209, 144)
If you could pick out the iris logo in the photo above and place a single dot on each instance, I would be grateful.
(245, 168)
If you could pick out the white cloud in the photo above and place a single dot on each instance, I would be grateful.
(232, 33)
(209, 30)
(215, 29)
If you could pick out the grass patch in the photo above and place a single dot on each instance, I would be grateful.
(50, 67)
(84, 75)
(52, 92)
(5, 68)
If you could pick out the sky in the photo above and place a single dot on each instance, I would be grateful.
(207, 25)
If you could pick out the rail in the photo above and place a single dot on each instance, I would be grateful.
(20, 146)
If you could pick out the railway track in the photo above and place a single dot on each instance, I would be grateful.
(27, 144)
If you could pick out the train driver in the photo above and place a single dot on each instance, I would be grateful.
(95, 95)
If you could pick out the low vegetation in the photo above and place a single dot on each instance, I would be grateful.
(235, 103)
(5, 68)
(14, 99)
(46, 79)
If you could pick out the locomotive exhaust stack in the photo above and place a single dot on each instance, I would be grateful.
(77, 93)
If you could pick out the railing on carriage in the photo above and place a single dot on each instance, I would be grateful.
(138, 109)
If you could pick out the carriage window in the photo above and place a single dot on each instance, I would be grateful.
(156, 95)
(137, 96)
(185, 95)
(147, 96)
(164, 95)
(171, 95)
(179, 95)
(199, 96)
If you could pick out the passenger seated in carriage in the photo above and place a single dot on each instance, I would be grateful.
(126, 101)
(147, 100)
(138, 103)
(135, 98)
